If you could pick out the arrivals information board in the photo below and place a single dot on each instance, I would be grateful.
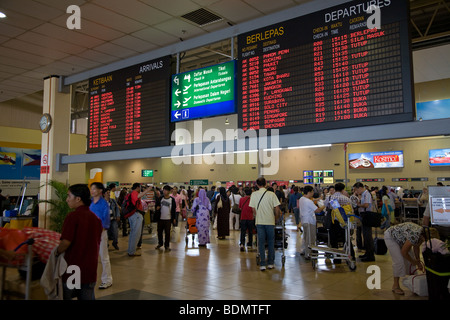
(128, 108)
(327, 70)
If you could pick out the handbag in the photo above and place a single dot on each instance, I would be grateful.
(371, 219)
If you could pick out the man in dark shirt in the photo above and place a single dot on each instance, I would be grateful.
(247, 219)
(80, 241)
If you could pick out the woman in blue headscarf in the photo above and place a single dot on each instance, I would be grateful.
(201, 208)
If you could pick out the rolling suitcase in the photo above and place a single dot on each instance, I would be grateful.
(380, 247)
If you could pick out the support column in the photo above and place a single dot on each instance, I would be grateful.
(55, 141)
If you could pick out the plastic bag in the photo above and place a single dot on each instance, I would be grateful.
(175, 234)
(11, 238)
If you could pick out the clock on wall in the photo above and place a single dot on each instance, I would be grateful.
(45, 123)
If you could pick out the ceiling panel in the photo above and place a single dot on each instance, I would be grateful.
(173, 7)
(25, 85)
(17, 62)
(234, 10)
(61, 4)
(9, 30)
(27, 79)
(5, 75)
(14, 69)
(34, 74)
(205, 3)
(35, 42)
(59, 68)
(3, 39)
(36, 53)
(50, 42)
(115, 50)
(31, 8)
(9, 89)
(92, 29)
(20, 20)
(110, 19)
(98, 56)
(80, 62)
(268, 6)
(180, 29)
(22, 56)
(135, 43)
(72, 36)
(155, 36)
(139, 11)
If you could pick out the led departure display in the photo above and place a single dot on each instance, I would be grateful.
(128, 108)
(205, 92)
(327, 70)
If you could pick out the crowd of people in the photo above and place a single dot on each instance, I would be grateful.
(99, 213)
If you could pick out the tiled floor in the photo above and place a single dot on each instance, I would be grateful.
(222, 272)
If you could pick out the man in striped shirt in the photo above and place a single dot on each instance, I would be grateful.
(365, 204)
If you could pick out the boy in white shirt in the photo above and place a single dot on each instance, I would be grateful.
(308, 212)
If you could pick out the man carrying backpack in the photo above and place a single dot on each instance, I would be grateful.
(131, 207)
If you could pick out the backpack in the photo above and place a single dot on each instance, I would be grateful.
(127, 205)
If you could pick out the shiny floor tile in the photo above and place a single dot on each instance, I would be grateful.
(222, 272)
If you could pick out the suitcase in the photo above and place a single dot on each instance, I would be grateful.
(322, 235)
(279, 241)
(379, 245)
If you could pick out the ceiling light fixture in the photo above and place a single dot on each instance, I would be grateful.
(2, 15)
(313, 146)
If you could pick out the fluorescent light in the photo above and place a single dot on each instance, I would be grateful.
(273, 149)
(208, 154)
(2, 15)
(312, 146)
(245, 151)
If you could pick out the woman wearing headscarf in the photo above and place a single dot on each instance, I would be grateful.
(201, 208)
(222, 210)
(184, 203)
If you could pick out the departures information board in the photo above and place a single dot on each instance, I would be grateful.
(327, 70)
(129, 108)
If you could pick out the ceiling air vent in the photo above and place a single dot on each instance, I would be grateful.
(202, 17)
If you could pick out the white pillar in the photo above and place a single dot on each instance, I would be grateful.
(57, 105)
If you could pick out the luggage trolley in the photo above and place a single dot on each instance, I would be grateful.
(191, 228)
(22, 261)
(318, 252)
(280, 240)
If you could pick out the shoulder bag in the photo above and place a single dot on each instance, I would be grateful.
(235, 209)
(261, 199)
